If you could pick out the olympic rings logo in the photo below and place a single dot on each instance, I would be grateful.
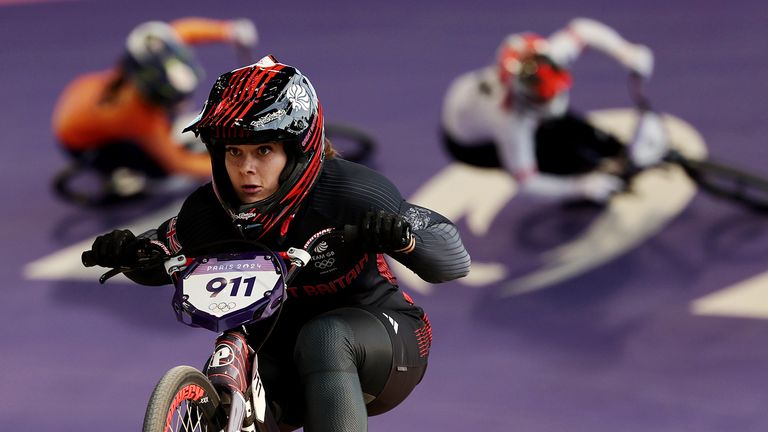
(324, 264)
(222, 306)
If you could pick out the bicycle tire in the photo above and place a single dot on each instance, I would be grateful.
(726, 181)
(103, 197)
(61, 184)
(183, 401)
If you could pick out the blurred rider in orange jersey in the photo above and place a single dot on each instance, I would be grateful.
(119, 122)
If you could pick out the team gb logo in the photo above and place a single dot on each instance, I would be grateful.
(298, 97)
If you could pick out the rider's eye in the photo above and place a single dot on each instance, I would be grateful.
(264, 150)
(233, 151)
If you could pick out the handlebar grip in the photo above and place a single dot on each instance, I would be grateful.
(140, 250)
(88, 258)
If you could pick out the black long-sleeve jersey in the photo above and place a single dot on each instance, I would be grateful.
(338, 275)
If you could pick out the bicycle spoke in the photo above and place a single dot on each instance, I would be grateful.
(190, 419)
(183, 401)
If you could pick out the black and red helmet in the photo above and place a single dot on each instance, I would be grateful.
(264, 102)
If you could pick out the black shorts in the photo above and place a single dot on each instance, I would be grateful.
(119, 154)
(564, 146)
(391, 369)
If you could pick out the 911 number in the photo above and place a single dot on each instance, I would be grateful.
(216, 285)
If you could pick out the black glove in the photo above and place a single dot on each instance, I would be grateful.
(116, 249)
(386, 232)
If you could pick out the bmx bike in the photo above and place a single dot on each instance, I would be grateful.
(650, 147)
(222, 292)
(84, 185)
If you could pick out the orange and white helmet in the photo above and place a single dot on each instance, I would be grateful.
(526, 69)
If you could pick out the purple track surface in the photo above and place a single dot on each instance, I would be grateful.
(616, 349)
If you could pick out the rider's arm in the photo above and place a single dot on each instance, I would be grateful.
(567, 44)
(514, 136)
(439, 254)
(194, 30)
(549, 186)
(172, 156)
(517, 150)
(347, 191)
(595, 186)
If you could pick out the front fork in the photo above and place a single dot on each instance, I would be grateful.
(232, 368)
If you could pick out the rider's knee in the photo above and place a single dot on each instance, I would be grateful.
(325, 343)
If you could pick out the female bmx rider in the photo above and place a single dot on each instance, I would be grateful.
(349, 342)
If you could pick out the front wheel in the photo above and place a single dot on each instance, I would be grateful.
(725, 181)
(183, 400)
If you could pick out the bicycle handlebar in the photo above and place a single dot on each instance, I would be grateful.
(143, 250)
(720, 179)
(88, 258)
(147, 255)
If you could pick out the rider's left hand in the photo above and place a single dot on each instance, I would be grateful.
(116, 249)
(386, 232)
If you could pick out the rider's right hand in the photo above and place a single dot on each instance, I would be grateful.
(118, 248)
(599, 187)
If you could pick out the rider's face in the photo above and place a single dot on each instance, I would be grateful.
(254, 169)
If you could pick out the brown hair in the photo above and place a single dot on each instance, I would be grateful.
(329, 151)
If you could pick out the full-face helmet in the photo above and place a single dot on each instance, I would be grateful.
(264, 102)
(163, 68)
(527, 70)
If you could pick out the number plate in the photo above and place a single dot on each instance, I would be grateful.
(220, 293)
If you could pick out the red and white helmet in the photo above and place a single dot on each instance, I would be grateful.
(526, 69)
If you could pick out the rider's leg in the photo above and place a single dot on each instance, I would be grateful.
(570, 145)
(123, 167)
(482, 155)
(351, 356)
(283, 388)
(127, 154)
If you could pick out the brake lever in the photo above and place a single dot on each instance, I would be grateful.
(110, 274)
(144, 252)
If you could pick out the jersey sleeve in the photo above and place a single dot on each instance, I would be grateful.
(515, 140)
(189, 226)
(567, 44)
(202, 30)
(439, 255)
(171, 155)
